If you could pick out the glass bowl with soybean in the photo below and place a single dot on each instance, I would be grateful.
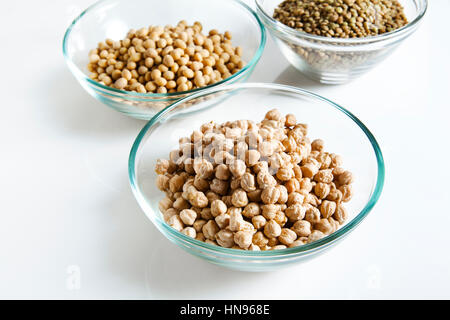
(138, 56)
(336, 41)
(261, 176)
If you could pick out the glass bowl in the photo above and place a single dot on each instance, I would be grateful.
(114, 18)
(334, 60)
(342, 132)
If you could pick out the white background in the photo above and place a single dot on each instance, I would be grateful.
(67, 210)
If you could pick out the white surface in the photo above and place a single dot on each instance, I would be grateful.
(70, 227)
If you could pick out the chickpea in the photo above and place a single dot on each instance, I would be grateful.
(225, 238)
(188, 216)
(218, 207)
(190, 232)
(324, 160)
(243, 239)
(265, 180)
(315, 235)
(287, 236)
(285, 174)
(283, 194)
(302, 228)
(161, 166)
(259, 221)
(269, 211)
(236, 219)
(299, 242)
(294, 198)
(180, 204)
(252, 157)
(270, 195)
(290, 120)
(219, 186)
(337, 171)
(340, 214)
(296, 212)
(204, 213)
(327, 208)
(292, 185)
(261, 166)
(210, 229)
(165, 204)
(346, 191)
(222, 220)
(176, 223)
(248, 182)
(324, 226)
(222, 172)
(169, 213)
(198, 225)
(176, 183)
(260, 239)
(306, 185)
(255, 196)
(200, 237)
(324, 176)
(280, 218)
(266, 149)
(162, 182)
(199, 200)
(272, 229)
(312, 215)
(309, 170)
(317, 144)
(322, 190)
(345, 177)
(251, 210)
(336, 160)
(237, 168)
(312, 199)
(334, 224)
(203, 168)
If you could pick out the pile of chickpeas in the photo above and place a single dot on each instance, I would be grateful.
(165, 59)
(254, 186)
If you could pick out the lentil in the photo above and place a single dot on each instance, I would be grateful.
(342, 18)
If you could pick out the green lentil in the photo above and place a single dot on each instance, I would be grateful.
(342, 18)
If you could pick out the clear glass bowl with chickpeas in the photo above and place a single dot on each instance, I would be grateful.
(260, 187)
(138, 56)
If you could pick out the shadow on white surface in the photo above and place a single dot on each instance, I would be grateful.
(70, 108)
(129, 241)
(139, 257)
(172, 273)
(292, 77)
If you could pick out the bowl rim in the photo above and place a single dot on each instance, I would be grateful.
(242, 254)
(74, 68)
(278, 26)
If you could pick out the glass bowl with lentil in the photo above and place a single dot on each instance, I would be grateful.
(335, 41)
(140, 56)
(223, 212)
